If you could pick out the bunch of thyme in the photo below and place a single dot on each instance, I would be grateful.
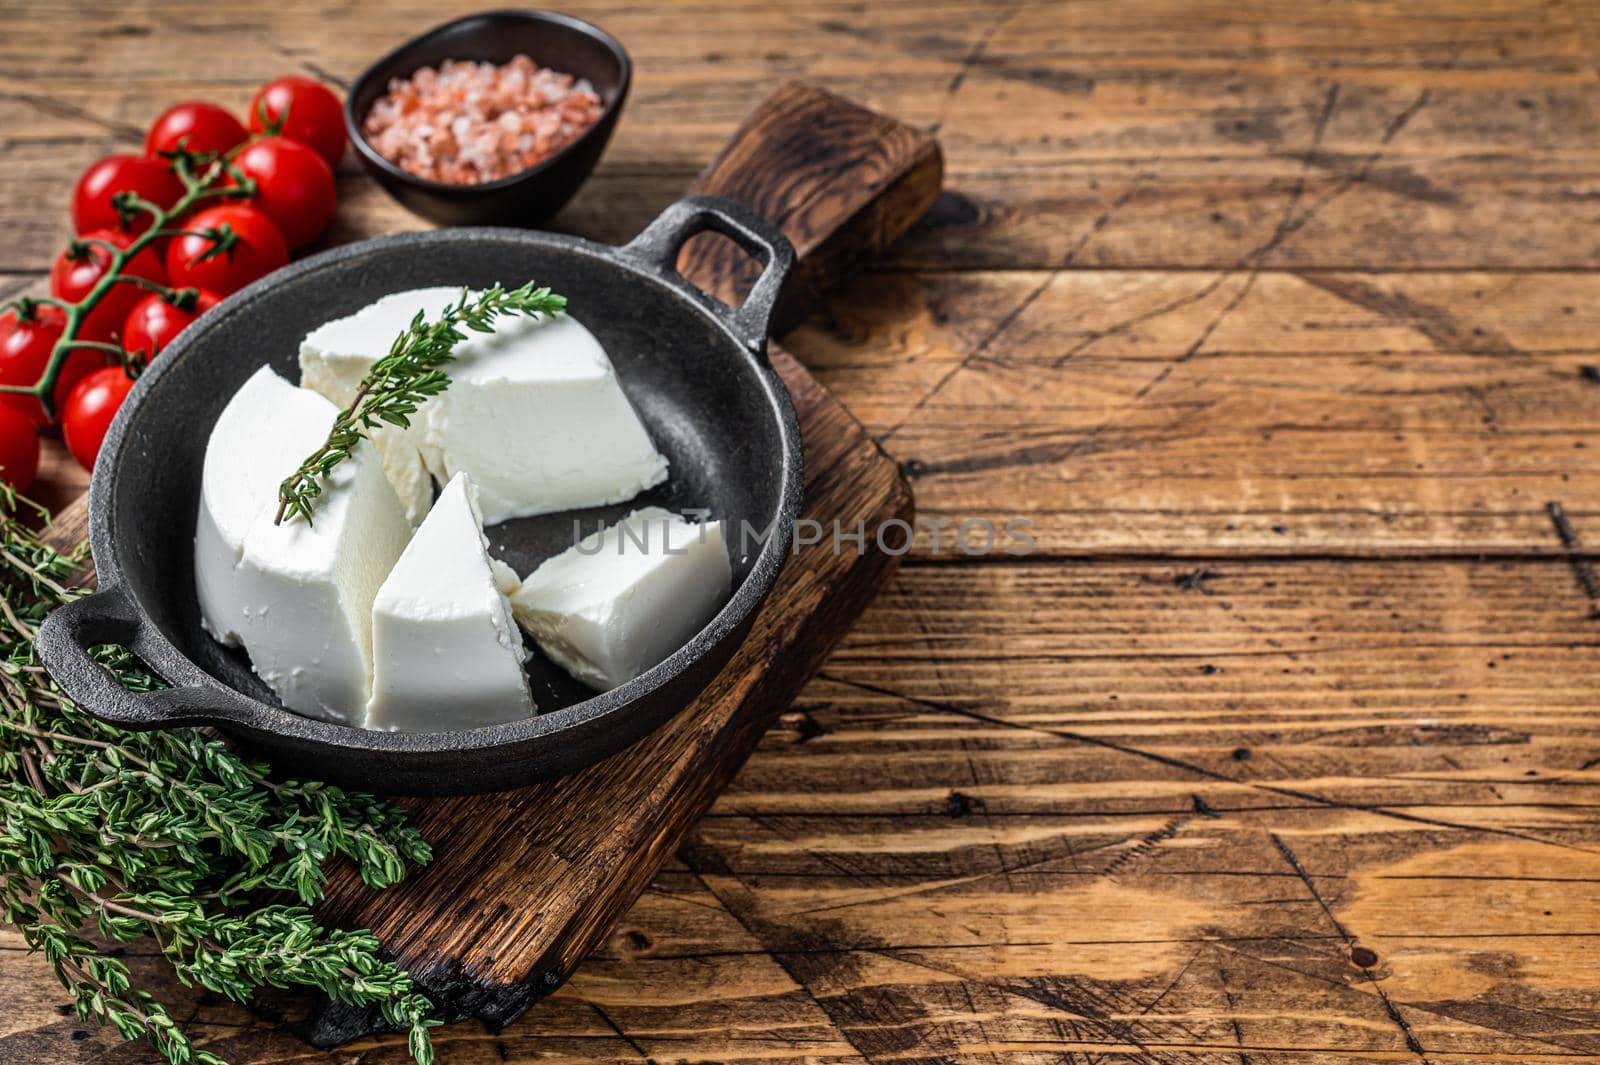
(173, 836)
(398, 383)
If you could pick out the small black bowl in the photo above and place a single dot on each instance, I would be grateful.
(531, 196)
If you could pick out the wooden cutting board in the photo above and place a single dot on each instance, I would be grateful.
(524, 884)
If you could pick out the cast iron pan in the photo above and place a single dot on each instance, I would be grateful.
(696, 371)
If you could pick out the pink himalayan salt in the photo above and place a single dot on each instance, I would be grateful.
(467, 123)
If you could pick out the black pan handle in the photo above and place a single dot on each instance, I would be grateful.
(108, 616)
(657, 248)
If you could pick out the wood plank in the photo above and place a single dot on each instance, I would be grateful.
(1220, 414)
(1441, 135)
(1213, 415)
(1165, 813)
(997, 831)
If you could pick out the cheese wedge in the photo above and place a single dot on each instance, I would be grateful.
(334, 358)
(534, 413)
(621, 600)
(536, 417)
(446, 651)
(299, 595)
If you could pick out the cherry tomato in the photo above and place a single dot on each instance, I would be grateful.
(199, 127)
(25, 347)
(315, 116)
(19, 450)
(150, 179)
(155, 320)
(294, 187)
(78, 269)
(89, 410)
(258, 251)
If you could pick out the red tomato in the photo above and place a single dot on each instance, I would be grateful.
(310, 112)
(19, 450)
(89, 410)
(293, 186)
(79, 269)
(258, 251)
(155, 320)
(149, 179)
(25, 347)
(199, 127)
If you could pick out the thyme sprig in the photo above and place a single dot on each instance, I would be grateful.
(170, 835)
(400, 381)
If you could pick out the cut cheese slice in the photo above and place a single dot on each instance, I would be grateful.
(299, 595)
(446, 651)
(623, 599)
(334, 358)
(536, 417)
(534, 413)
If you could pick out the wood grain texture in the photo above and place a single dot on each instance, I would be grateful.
(1281, 749)
(992, 832)
(1447, 134)
(1195, 413)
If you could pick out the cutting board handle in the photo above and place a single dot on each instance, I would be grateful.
(840, 181)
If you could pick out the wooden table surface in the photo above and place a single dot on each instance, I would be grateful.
(1278, 322)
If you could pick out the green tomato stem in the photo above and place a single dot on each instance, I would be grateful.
(195, 189)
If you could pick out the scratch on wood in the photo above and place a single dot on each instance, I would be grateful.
(1400, 180)
(624, 1036)
(1210, 774)
(1581, 566)
(971, 60)
(1148, 843)
(1099, 224)
(1175, 980)
(1286, 226)
(1394, 1013)
(796, 965)
(1233, 1017)
(61, 109)
(936, 46)
(989, 338)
